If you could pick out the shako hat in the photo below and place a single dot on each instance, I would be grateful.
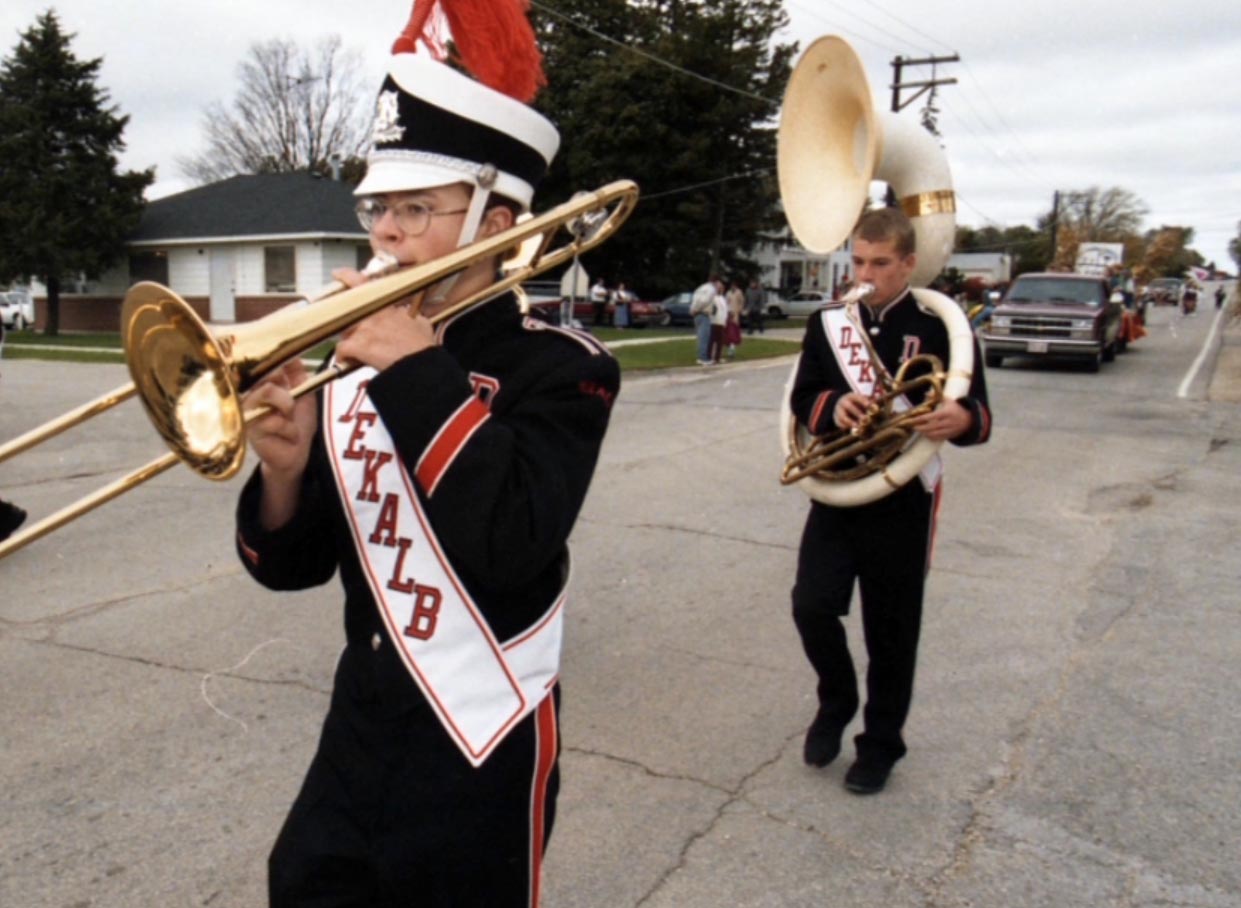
(435, 125)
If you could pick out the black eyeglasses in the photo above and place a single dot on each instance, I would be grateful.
(412, 217)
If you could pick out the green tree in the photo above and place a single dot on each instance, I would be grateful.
(1030, 248)
(65, 209)
(1234, 248)
(699, 139)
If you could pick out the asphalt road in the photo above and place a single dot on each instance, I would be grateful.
(1073, 740)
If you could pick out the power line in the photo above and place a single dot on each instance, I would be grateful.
(811, 11)
(912, 28)
(736, 176)
(645, 54)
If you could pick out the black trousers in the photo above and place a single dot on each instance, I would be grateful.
(392, 816)
(885, 547)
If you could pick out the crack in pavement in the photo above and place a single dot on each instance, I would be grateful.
(182, 669)
(60, 619)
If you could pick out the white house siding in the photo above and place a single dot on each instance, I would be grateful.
(339, 254)
(248, 260)
(189, 271)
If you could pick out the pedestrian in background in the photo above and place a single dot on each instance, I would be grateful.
(754, 308)
(701, 305)
(732, 327)
(719, 319)
(599, 302)
(621, 298)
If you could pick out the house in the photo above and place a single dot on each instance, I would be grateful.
(991, 267)
(788, 267)
(234, 250)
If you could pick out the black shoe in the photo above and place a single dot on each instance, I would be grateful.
(11, 517)
(822, 742)
(867, 776)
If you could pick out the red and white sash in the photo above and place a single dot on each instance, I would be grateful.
(478, 688)
(854, 360)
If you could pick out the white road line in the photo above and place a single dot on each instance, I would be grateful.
(1188, 380)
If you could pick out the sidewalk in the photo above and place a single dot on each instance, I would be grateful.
(1226, 380)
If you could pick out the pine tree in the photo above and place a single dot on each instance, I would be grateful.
(702, 154)
(65, 209)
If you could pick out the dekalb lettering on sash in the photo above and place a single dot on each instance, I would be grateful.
(856, 357)
(386, 530)
(426, 610)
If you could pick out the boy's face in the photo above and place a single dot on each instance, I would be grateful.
(442, 231)
(881, 265)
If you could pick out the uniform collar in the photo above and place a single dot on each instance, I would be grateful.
(878, 317)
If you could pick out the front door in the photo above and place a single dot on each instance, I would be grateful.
(223, 301)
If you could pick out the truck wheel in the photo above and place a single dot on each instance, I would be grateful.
(1092, 364)
(993, 360)
(1109, 352)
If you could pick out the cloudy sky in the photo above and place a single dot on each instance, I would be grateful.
(1062, 94)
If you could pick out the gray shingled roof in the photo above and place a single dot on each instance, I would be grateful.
(252, 205)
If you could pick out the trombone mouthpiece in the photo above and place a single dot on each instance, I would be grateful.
(380, 264)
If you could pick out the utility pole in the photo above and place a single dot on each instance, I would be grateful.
(923, 86)
(1055, 223)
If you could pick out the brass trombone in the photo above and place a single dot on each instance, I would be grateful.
(380, 264)
(190, 380)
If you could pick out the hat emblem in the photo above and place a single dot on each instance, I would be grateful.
(387, 126)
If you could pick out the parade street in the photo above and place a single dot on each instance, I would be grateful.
(1073, 739)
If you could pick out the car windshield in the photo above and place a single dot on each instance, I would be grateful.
(1055, 290)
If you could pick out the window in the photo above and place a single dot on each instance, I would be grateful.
(148, 266)
(278, 269)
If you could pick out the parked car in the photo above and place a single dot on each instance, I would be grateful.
(677, 308)
(1063, 316)
(802, 303)
(545, 303)
(16, 310)
(1164, 291)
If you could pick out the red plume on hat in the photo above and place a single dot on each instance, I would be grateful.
(494, 42)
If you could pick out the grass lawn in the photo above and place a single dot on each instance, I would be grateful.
(667, 354)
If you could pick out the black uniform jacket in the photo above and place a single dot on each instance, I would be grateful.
(897, 331)
(502, 510)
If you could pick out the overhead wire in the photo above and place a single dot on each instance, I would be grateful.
(646, 54)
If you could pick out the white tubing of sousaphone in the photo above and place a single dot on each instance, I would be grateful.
(914, 165)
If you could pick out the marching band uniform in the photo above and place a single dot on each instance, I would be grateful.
(501, 509)
(443, 488)
(885, 545)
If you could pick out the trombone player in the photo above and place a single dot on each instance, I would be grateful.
(441, 481)
(885, 545)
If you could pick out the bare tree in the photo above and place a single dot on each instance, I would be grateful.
(1102, 215)
(295, 110)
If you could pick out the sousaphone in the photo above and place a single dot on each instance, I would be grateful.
(830, 146)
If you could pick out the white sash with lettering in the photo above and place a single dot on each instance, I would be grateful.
(479, 688)
(854, 361)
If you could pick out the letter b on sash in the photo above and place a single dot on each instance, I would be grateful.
(426, 612)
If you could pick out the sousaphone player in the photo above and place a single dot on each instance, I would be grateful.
(881, 540)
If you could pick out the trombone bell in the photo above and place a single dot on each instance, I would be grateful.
(183, 380)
